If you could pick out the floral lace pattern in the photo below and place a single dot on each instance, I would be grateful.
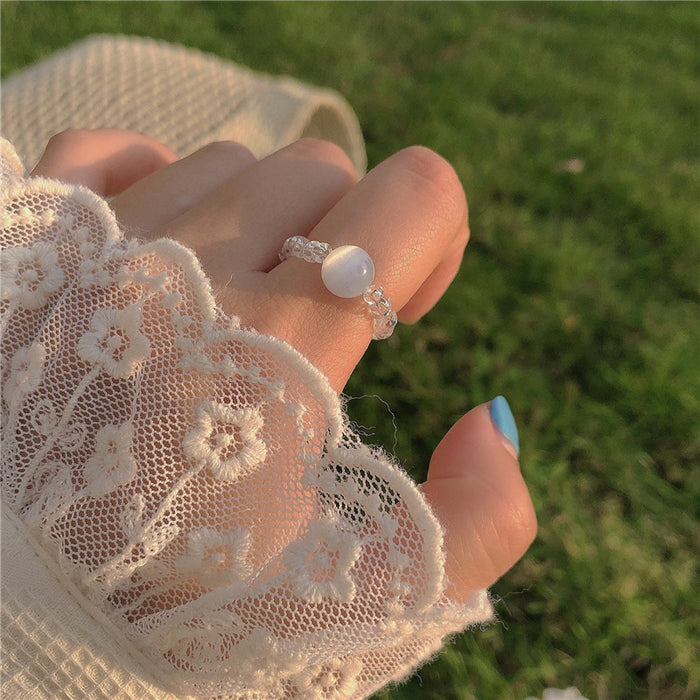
(25, 371)
(322, 563)
(215, 558)
(114, 342)
(226, 440)
(112, 465)
(199, 482)
(30, 275)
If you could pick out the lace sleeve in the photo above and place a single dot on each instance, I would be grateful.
(199, 482)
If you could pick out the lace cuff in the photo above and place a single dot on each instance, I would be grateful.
(198, 482)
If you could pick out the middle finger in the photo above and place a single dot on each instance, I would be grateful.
(241, 226)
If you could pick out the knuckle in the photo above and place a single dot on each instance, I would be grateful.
(434, 178)
(521, 525)
(325, 152)
(69, 138)
(228, 150)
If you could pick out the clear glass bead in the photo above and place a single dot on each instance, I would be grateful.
(384, 326)
(297, 246)
(307, 252)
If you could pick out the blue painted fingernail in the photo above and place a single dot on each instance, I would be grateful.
(502, 417)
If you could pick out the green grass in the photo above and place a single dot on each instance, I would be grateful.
(579, 298)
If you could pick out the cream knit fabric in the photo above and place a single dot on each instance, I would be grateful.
(189, 492)
(182, 97)
(54, 643)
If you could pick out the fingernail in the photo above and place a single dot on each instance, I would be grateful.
(503, 419)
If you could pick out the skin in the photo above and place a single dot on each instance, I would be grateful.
(410, 212)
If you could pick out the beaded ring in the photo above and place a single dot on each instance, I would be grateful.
(346, 271)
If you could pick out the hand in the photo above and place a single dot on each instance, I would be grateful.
(410, 213)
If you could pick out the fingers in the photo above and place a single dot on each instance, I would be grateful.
(439, 280)
(248, 218)
(105, 160)
(154, 201)
(477, 491)
(409, 213)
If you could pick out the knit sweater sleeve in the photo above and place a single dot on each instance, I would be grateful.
(197, 482)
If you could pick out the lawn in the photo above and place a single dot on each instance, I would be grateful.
(575, 129)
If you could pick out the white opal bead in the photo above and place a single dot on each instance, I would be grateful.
(347, 271)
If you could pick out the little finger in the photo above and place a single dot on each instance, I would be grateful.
(105, 160)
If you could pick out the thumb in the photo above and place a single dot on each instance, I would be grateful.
(478, 493)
